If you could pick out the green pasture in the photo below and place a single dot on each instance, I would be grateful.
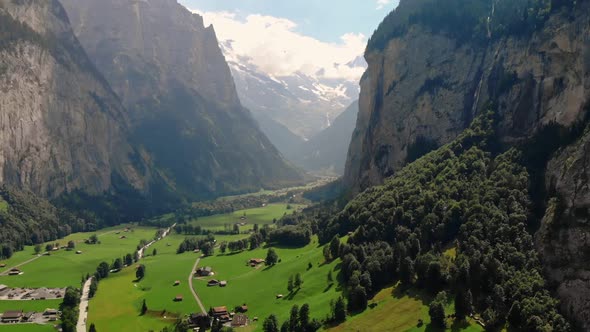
(396, 310)
(29, 327)
(258, 287)
(65, 268)
(157, 289)
(261, 216)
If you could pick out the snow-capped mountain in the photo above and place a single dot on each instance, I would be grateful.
(303, 103)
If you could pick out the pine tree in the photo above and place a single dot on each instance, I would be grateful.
(271, 324)
(298, 281)
(304, 317)
(290, 286)
(144, 308)
(339, 310)
(92, 328)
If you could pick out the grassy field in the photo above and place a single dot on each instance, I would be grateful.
(65, 268)
(26, 306)
(258, 287)
(262, 216)
(27, 328)
(157, 288)
(399, 311)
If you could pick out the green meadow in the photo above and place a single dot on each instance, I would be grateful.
(157, 289)
(261, 216)
(29, 305)
(399, 311)
(65, 268)
(258, 287)
(27, 328)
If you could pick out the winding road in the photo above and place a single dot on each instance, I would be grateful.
(190, 284)
(83, 315)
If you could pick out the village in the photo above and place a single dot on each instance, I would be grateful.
(219, 281)
(230, 318)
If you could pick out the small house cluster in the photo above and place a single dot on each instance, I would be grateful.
(19, 316)
(215, 282)
(204, 272)
(234, 319)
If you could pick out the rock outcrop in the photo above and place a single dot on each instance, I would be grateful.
(61, 126)
(427, 86)
(169, 71)
(564, 237)
(424, 86)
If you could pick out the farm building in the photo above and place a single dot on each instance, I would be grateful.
(242, 308)
(50, 312)
(14, 272)
(212, 282)
(2, 265)
(222, 283)
(279, 296)
(12, 316)
(3, 288)
(178, 298)
(177, 282)
(239, 320)
(204, 271)
(28, 316)
(78, 252)
(256, 261)
(220, 313)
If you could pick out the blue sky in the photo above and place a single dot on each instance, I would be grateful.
(325, 20)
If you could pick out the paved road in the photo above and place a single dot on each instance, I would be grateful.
(81, 327)
(140, 252)
(190, 284)
(19, 265)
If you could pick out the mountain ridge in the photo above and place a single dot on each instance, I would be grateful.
(181, 99)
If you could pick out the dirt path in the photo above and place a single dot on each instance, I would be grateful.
(5, 273)
(190, 284)
(81, 327)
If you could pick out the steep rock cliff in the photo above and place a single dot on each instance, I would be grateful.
(62, 128)
(564, 237)
(426, 86)
(170, 73)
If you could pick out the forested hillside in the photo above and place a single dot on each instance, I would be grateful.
(470, 196)
(26, 219)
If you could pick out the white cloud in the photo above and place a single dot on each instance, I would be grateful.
(276, 48)
(382, 3)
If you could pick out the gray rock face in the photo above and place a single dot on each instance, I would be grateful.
(170, 73)
(564, 238)
(427, 86)
(61, 126)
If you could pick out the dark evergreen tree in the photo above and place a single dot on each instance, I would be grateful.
(271, 324)
(271, 257)
(144, 308)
